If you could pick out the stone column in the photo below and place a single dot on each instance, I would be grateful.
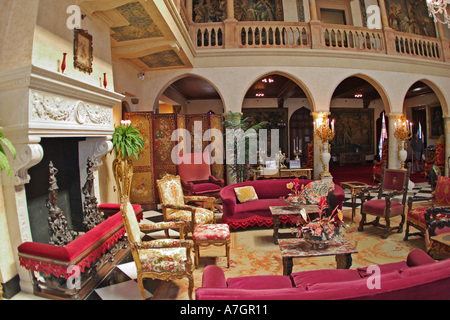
(313, 10)
(230, 9)
(447, 143)
(389, 36)
(393, 156)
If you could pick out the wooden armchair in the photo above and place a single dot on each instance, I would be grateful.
(438, 232)
(165, 259)
(416, 216)
(175, 208)
(394, 183)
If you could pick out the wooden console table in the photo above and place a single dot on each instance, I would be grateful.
(282, 173)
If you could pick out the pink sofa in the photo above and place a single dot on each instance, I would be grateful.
(257, 212)
(417, 278)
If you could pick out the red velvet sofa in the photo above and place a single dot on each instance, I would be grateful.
(417, 278)
(90, 252)
(257, 212)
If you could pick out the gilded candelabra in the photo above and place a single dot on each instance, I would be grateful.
(403, 132)
(324, 132)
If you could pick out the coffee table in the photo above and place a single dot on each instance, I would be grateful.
(278, 211)
(355, 188)
(299, 248)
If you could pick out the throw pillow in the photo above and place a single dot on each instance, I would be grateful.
(245, 194)
(314, 190)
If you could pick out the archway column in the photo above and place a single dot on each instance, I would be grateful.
(393, 156)
(447, 143)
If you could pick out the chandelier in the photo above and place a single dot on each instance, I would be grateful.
(439, 11)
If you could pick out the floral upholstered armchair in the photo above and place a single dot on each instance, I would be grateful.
(174, 206)
(164, 259)
(416, 216)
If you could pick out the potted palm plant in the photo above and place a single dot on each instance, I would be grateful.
(4, 163)
(128, 143)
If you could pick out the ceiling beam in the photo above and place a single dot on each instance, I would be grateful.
(141, 48)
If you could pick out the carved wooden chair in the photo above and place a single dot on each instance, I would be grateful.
(416, 216)
(394, 183)
(165, 259)
(438, 232)
(175, 208)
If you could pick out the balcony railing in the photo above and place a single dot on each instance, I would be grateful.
(233, 34)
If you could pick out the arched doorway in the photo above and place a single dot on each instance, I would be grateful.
(301, 133)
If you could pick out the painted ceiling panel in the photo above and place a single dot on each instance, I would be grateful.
(162, 59)
(141, 25)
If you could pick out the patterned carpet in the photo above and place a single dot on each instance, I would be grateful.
(254, 253)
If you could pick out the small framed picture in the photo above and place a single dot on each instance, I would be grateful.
(83, 51)
(295, 164)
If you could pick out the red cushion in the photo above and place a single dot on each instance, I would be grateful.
(305, 278)
(376, 207)
(193, 171)
(78, 246)
(260, 282)
(200, 188)
(442, 191)
(356, 285)
(384, 268)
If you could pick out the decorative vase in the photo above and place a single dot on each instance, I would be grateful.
(316, 242)
(403, 154)
(63, 64)
(105, 82)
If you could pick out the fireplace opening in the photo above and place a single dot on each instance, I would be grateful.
(64, 154)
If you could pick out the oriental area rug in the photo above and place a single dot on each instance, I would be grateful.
(253, 252)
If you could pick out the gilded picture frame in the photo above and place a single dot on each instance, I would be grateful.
(83, 51)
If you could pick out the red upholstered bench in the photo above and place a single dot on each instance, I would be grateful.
(92, 253)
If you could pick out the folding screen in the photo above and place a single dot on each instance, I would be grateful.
(155, 160)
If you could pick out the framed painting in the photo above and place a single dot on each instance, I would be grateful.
(354, 130)
(435, 125)
(83, 51)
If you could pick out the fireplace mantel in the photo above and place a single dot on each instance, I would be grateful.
(34, 104)
(39, 103)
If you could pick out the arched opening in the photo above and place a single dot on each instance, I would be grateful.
(424, 109)
(274, 98)
(190, 94)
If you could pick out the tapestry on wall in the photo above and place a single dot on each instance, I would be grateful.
(410, 16)
(354, 130)
(274, 116)
(209, 11)
(143, 184)
(258, 10)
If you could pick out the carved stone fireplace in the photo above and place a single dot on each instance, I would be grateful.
(37, 106)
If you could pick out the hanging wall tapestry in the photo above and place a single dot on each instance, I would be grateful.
(354, 130)
(410, 16)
